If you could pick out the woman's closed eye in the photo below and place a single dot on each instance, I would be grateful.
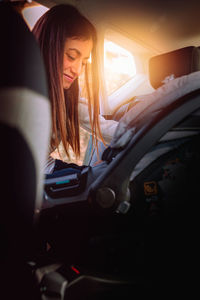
(70, 57)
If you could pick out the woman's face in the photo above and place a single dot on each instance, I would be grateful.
(76, 53)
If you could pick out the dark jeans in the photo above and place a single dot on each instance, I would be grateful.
(62, 168)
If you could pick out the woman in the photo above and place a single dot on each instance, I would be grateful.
(67, 40)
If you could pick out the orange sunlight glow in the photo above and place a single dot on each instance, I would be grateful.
(119, 59)
(119, 66)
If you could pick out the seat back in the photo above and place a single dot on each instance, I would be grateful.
(24, 131)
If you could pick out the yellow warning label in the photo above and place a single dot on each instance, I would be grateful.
(150, 188)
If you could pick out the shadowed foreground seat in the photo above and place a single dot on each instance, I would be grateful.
(24, 132)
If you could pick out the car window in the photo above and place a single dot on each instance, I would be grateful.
(119, 66)
(32, 14)
(125, 69)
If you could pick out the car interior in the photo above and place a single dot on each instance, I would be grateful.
(127, 227)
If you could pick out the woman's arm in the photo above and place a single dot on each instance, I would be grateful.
(49, 165)
(107, 126)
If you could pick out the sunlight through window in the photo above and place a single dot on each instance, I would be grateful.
(119, 66)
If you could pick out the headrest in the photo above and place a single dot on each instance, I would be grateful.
(24, 67)
(165, 67)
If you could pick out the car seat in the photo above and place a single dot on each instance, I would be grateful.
(161, 70)
(127, 223)
(25, 128)
(164, 183)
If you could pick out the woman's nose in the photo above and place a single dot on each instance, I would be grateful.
(77, 67)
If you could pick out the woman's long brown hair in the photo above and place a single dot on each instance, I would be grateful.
(51, 31)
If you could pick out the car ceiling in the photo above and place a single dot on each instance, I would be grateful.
(159, 25)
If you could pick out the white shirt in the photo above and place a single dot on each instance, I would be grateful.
(107, 126)
(107, 130)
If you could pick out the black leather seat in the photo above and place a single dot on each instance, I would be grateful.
(24, 132)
